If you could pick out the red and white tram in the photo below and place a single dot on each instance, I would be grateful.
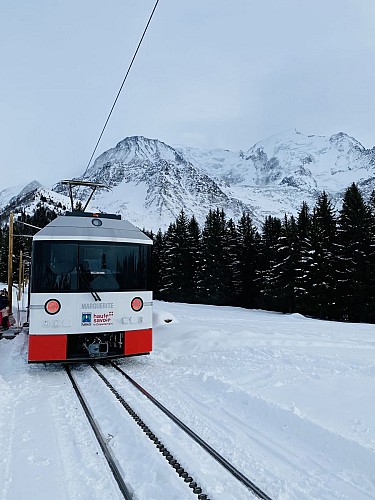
(90, 293)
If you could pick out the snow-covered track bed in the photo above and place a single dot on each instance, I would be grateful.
(160, 446)
(139, 473)
(101, 440)
(252, 487)
(164, 465)
(289, 454)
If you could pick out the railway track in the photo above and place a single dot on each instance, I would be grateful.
(102, 442)
(173, 461)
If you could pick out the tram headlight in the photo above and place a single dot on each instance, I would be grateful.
(52, 306)
(96, 222)
(137, 304)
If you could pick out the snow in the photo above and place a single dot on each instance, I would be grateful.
(286, 399)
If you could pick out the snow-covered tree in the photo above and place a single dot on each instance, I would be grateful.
(214, 283)
(248, 255)
(319, 258)
(157, 268)
(355, 284)
(282, 275)
(176, 277)
(304, 258)
(268, 258)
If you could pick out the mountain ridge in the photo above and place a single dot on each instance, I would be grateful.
(149, 181)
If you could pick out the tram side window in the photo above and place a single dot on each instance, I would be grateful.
(54, 266)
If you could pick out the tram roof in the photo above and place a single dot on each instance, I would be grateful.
(84, 228)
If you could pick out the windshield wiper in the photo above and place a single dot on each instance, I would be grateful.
(93, 292)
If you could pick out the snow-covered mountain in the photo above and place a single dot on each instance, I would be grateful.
(291, 159)
(276, 175)
(32, 195)
(10, 195)
(149, 182)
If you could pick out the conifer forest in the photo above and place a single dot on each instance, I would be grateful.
(319, 263)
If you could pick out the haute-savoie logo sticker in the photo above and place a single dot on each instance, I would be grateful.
(103, 318)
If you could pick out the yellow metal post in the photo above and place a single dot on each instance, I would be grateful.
(10, 261)
(20, 278)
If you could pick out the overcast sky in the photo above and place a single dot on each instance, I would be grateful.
(210, 73)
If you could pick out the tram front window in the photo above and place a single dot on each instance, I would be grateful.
(80, 266)
(54, 266)
(115, 266)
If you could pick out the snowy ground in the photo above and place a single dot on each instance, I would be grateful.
(288, 400)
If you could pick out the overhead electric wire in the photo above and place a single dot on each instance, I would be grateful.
(123, 82)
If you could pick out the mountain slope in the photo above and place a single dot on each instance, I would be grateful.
(28, 200)
(10, 195)
(276, 175)
(149, 182)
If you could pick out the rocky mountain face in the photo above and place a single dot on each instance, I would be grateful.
(276, 175)
(149, 182)
(30, 197)
(12, 196)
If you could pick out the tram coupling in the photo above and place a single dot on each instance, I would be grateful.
(96, 348)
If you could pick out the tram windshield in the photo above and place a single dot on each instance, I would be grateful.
(69, 266)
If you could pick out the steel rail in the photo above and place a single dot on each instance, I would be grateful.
(221, 460)
(107, 454)
(183, 474)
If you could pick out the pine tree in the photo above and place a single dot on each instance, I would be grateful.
(193, 260)
(271, 231)
(178, 267)
(157, 253)
(42, 216)
(304, 258)
(231, 253)
(22, 238)
(214, 284)
(317, 274)
(168, 264)
(22, 242)
(356, 257)
(283, 274)
(248, 256)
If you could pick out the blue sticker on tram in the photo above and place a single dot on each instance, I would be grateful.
(86, 319)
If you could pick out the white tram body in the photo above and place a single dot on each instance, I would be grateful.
(90, 290)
